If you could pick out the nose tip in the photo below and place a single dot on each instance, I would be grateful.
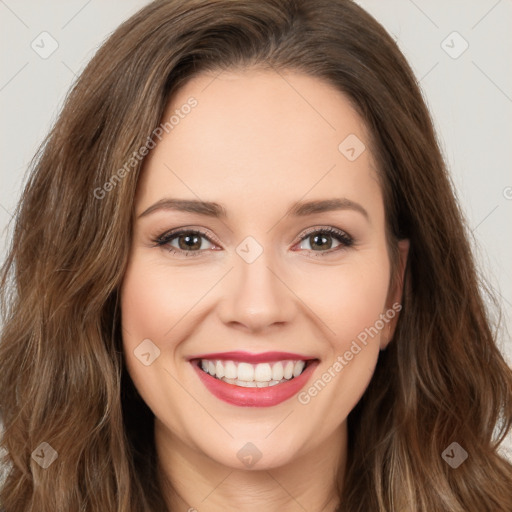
(257, 299)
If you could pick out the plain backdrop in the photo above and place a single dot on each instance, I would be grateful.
(460, 51)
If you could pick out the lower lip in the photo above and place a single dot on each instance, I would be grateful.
(255, 397)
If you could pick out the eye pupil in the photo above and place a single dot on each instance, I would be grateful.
(191, 242)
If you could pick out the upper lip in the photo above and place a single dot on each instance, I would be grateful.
(247, 357)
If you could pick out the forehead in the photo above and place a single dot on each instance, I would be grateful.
(260, 138)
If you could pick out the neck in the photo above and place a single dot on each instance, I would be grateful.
(197, 482)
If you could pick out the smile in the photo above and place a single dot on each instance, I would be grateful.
(247, 380)
(253, 375)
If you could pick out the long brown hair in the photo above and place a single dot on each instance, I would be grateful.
(62, 375)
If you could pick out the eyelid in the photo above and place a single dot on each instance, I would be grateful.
(324, 229)
(187, 229)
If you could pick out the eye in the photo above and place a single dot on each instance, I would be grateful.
(321, 240)
(187, 242)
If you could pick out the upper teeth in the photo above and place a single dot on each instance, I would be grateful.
(261, 372)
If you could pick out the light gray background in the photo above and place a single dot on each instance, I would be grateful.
(470, 98)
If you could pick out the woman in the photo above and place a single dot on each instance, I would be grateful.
(239, 279)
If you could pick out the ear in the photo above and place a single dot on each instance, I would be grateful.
(394, 299)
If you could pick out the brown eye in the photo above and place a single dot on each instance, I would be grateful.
(187, 242)
(322, 240)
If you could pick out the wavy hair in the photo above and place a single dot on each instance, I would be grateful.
(62, 374)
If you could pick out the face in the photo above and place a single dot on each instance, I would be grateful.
(259, 318)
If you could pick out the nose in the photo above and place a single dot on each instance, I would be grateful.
(257, 297)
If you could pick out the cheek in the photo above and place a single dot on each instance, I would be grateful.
(155, 300)
(147, 300)
(155, 297)
(347, 299)
(353, 309)
(143, 304)
(362, 301)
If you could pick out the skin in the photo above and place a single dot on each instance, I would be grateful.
(257, 142)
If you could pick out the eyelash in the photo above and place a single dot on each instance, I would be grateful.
(164, 239)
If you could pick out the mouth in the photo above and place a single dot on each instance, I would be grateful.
(257, 380)
(261, 375)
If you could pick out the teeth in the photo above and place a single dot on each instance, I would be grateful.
(277, 371)
(245, 372)
(219, 370)
(299, 366)
(250, 375)
(253, 384)
(288, 370)
(263, 372)
(230, 371)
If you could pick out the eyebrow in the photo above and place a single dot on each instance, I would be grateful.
(212, 209)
